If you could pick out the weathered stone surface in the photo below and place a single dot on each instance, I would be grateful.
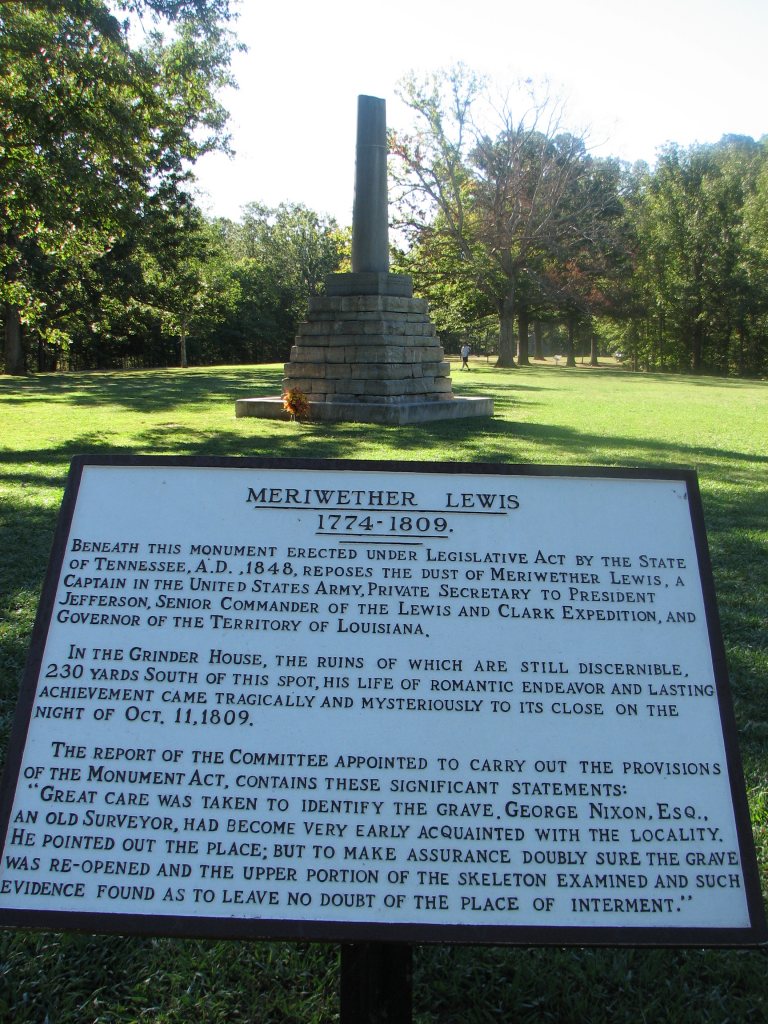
(379, 371)
(368, 351)
(344, 306)
(305, 369)
(375, 316)
(369, 284)
(380, 303)
(348, 341)
(393, 354)
(337, 354)
(391, 387)
(389, 413)
(311, 386)
(370, 222)
(439, 384)
(308, 354)
(344, 328)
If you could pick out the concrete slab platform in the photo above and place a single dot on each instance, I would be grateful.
(392, 413)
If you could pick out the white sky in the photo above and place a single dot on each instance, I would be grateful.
(636, 74)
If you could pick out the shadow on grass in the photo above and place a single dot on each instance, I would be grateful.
(731, 515)
(145, 390)
(26, 533)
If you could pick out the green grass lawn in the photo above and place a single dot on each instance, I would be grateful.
(543, 415)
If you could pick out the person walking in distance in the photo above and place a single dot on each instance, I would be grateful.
(465, 350)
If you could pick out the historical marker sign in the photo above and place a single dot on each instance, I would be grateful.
(359, 700)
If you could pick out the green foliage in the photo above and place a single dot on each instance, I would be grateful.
(546, 415)
(517, 219)
(98, 140)
(698, 298)
(297, 246)
(192, 281)
(278, 259)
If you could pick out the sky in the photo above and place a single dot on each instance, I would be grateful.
(633, 75)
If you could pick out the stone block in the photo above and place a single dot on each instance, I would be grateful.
(360, 304)
(349, 305)
(390, 327)
(377, 354)
(379, 371)
(438, 385)
(369, 283)
(323, 305)
(308, 354)
(336, 354)
(309, 328)
(376, 316)
(411, 306)
(305, 384)
(317, 340)
(357, 337)
(305, 369)
(427, 355)
(373, 387)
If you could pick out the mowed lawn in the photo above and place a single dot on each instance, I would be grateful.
(544, 414)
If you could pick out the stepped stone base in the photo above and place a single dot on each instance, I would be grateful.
(369, 353)
(393, 413)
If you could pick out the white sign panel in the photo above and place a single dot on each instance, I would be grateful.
(341, 699)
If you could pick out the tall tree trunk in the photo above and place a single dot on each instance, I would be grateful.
(697, 346)
(724, 348)
(570, 353)
(183, 346)
(507, 331)
(15, 363)
(593, 347)
(538, 340)
(522, 337)
(634, 340)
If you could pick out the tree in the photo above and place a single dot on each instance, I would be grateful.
(752, 350)
(298, 246)
(98, 140)
(194, 287)
(695, 230)
(500, 200)
(239, 288)
(587, 269)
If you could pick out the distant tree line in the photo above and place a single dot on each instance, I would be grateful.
(510, 227)
(522, 225)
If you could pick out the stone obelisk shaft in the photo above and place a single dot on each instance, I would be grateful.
(370, 222)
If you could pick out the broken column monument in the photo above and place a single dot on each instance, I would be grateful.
(367, 351)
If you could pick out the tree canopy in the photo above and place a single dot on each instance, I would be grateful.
(509, 213)
(500, 204)
(99, 137)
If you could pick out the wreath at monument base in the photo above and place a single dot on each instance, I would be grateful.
(296, 402)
